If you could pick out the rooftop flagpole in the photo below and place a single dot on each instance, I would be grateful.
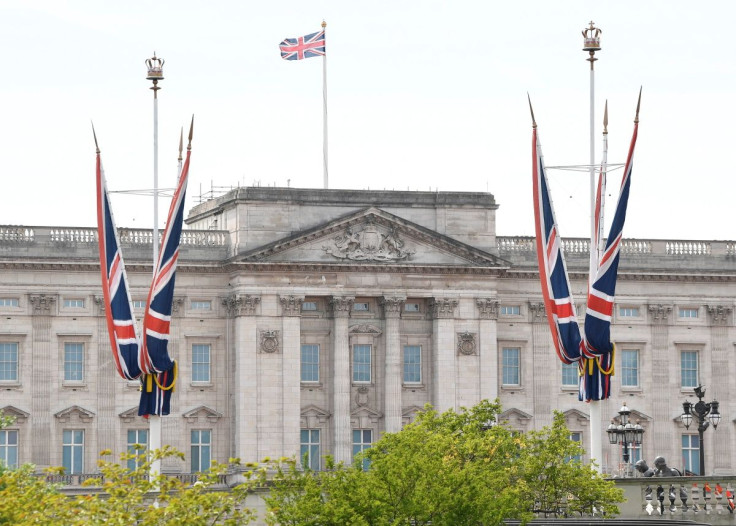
(155, 73)
(324, 106)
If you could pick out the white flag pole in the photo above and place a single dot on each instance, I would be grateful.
(324, 107)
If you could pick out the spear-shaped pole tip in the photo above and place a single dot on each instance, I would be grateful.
(605, 119)
(534, 122)
(638, 105)
(191, 132)
(181, 142)
(97, 148)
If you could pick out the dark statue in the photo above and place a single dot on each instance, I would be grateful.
(642, 467)
(663, 470)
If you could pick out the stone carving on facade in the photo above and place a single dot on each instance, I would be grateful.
(206, 413)
(341, 306)
(270, 341)
(129, 415)
(241, 304)
(19, 416)
(536, 308)
(443, 307)
(82, 414)
(99, 302)
(392, 306)
(42, 304)
(719, 314)
(361, 397)
(368, 244)
(660, 313)
(291, 305)
(488, 308)
(365, 328)
(466, 343)
(177, 304)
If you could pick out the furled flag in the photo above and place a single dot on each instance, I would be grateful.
(121, 327)
(160, 369)
(594, 352)
(308, 46)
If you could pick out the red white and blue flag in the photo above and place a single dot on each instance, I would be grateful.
(594, 351)
(312, 45)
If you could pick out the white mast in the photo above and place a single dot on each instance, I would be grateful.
(324, 107)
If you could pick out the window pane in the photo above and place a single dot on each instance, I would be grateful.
(361, 363)
(309, 305)
(200, 363)
(310, 363)
(689, 368)
(9, 362)
(412, 363)
(310, 446)
(630, 368)
(73, 362)
(510, 310)
(9, 448)
(510, 366)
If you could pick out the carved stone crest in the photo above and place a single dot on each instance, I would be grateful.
(361, 397)
(368, 244)
(466, 343)
(270, 341)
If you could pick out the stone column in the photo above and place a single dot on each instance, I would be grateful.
(661, 440)
(443, 353)
(291, 311)
(392, 380)
(544, 359)
(341, 306)
(107, 422)
(242, 308)
(488, 345)
(42, 376)
(720, 451)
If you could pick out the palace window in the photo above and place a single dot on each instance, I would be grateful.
(570, 374)
(73, 451)
(691, 453)
(74, 303)
(310, 448)
(575, 436)
(412, 364)
(360, 307)
(510, 310)
(201, 363)
(310, 363)
(688, 313)
(73, 362)
(137, 437)
(8, 361)
(689, 368)
(9, 448)
(309, 305)
(201, 449)
(630, 368)
(362, 363)
(201, 305)
(139, 304)
(411, 307)
(362, 440)
(8, 302)
(511, 366)
(628, 312)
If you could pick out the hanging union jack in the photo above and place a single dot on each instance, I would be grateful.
(144, 356)
(308, 46)
(593, 351)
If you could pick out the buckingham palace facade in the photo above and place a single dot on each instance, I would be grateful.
(311, 320)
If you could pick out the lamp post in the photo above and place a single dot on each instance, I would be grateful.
(625, 432)
(706, 413)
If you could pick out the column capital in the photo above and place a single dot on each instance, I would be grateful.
(488, 308)
(719, 314)
(392, 306)
(660, 313)
(241, 304)
(443, 307)
(341, 306)
(291, 305)
(42, 303)
(537, 310)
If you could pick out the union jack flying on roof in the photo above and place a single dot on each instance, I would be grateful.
(312, 45)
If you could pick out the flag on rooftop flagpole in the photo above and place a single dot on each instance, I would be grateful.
(312, 45)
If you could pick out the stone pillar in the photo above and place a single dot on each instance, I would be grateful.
(341, 306)
(42, 376)
(665, 370)
(720, 450)
(488, 347)
(107, 422)
(242, 308)
(443, 353)
(392, 380)
(291, 311)
(544, 359)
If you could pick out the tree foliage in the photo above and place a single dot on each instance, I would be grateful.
(454, 468)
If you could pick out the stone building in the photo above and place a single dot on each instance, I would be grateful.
(315, 320)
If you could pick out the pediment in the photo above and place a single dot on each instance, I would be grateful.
(313, 416)
(408, 414)
(75, 411)
(577, 416)
(515, 417)
(129, 415)
(19, 416)
(372, 236)
(203, 412)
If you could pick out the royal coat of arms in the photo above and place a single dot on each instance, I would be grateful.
(368, 244)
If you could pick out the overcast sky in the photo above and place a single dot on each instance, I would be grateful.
(421, 95)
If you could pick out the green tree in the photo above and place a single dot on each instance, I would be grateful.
(455, 468)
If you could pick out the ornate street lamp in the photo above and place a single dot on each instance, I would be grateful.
(625, 433)
(706, 413)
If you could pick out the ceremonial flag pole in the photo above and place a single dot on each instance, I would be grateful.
(324, 106)
(592, 43)
(155, 73)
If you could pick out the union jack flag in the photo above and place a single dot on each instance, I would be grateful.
(121, 326)
(312, 45)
